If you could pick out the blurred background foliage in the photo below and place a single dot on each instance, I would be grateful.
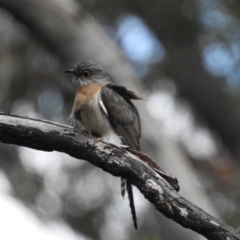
(186, 56)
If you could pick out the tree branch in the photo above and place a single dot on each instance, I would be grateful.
(49, 136)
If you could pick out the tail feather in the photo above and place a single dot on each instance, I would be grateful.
(123, 186)
(131, 204)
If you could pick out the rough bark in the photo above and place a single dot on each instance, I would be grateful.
(49, 136)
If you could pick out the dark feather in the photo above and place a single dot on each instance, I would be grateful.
(77, 115)
(131, 203)
(169, 178)
(124, 92)
(123, 115)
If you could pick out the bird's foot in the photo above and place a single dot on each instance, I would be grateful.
(99, 139)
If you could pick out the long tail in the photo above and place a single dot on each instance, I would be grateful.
(126, 185)
(131, 204)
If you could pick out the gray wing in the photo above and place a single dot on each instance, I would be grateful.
(122, 114)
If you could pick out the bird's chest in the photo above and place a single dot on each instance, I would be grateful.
(87, 104)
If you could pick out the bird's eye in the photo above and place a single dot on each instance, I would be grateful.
(85, 73)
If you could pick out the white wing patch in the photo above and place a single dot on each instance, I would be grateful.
(102, 106)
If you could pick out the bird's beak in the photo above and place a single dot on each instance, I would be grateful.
(69, 71)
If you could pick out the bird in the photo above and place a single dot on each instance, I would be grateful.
(105, 110)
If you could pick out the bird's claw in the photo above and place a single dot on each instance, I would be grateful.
(97, 140)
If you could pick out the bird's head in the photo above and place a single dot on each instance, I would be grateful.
(90, 72)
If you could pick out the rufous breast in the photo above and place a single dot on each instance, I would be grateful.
(85, 94)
